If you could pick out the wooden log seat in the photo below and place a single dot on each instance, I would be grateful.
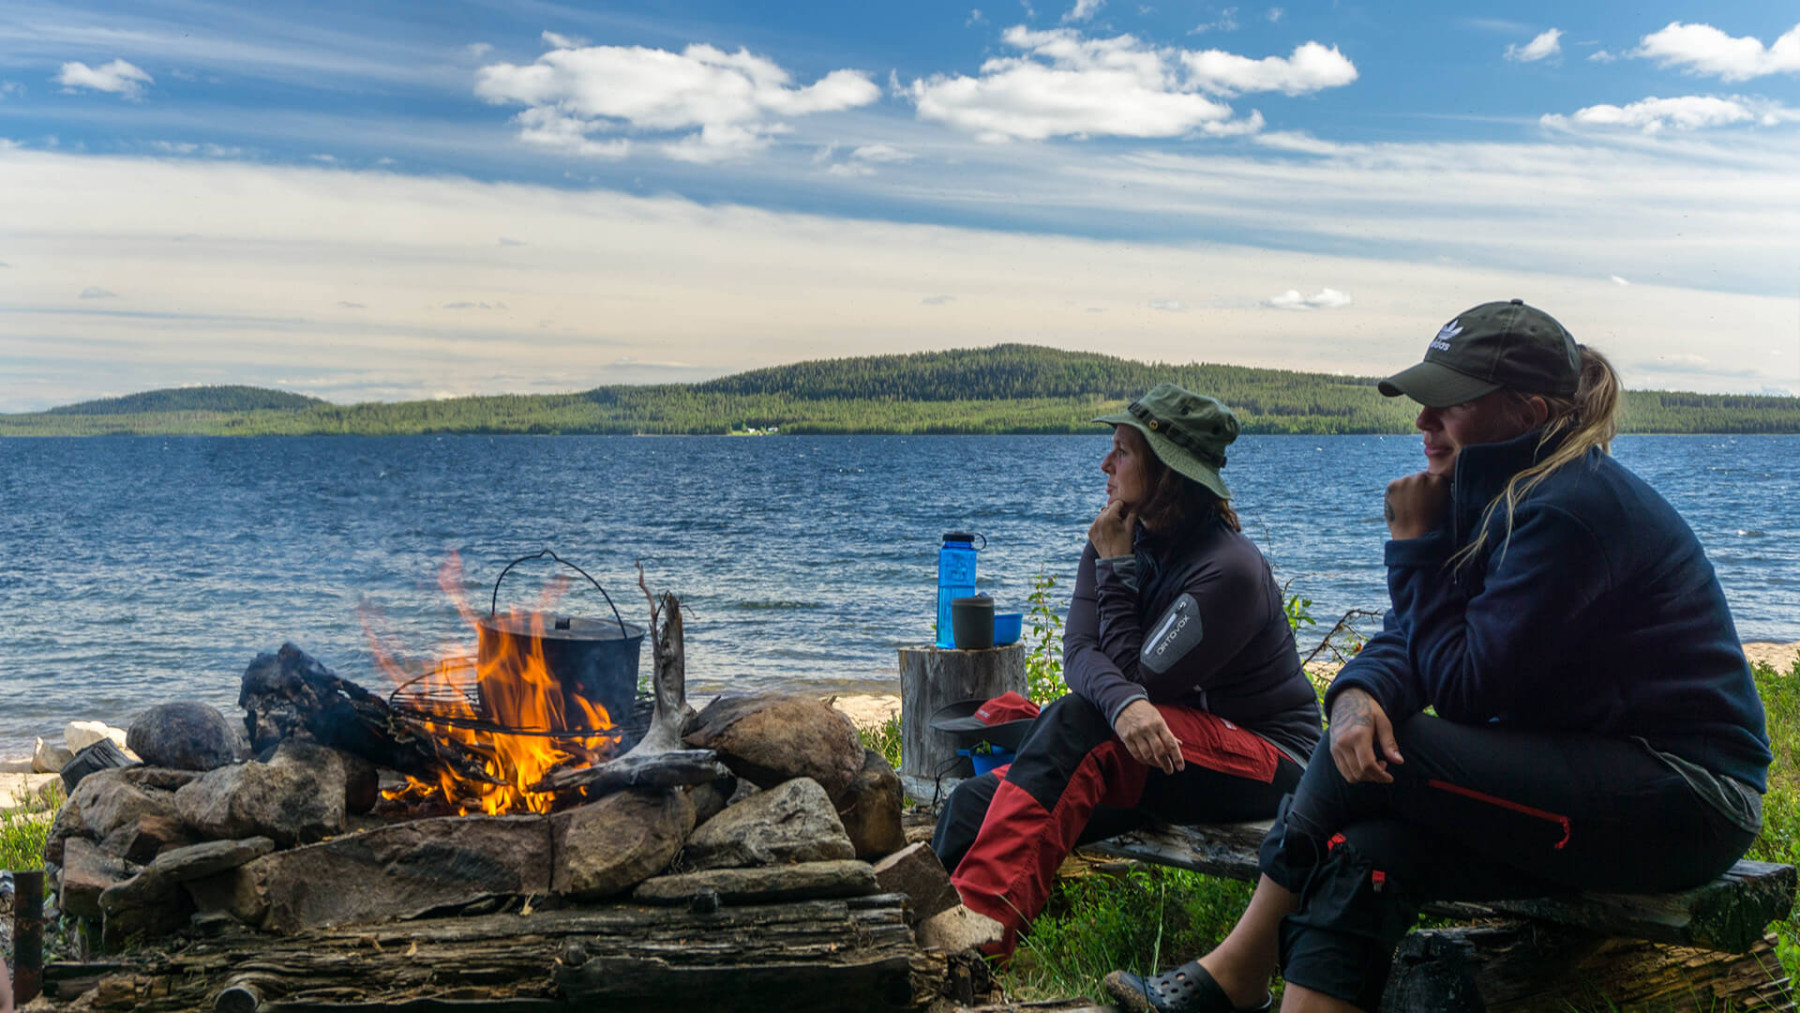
(1703, 949)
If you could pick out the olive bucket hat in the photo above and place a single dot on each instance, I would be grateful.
(1186, 431)
(1494, 345)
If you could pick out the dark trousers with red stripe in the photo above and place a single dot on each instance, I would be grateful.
(1476, 813)
(1004, 834)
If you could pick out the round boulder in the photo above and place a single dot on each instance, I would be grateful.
(185, 735)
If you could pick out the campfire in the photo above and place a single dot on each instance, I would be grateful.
(503, 707)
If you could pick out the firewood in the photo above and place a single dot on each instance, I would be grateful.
(674, 769)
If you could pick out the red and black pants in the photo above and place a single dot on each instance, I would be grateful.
(1476, 813)
(1004, 834)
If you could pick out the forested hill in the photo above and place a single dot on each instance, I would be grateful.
(193, 399)
(1004, 389)
(1006, 372)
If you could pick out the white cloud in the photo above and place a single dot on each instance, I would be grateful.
(881, 153)
(118, 77)
(1069, 85)
(96, 292)
(975, 18)
(1703, 49)
(1687, 112)
(558, 41)
(734, 100)
(1275, 14)
(1312, 67)
(1168, 305)
(1083, 10)
(1546, 45)
(1601, 56)
(352, 305)
(11, 88)
(194, 148)
(478, 50)
(1227, 22)
(937, 300)
(1616, 280)
(1324, 299)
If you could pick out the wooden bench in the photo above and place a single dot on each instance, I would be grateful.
(1705, 948)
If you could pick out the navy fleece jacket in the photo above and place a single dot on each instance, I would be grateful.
(1599, 614)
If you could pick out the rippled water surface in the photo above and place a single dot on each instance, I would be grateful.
(139, 570)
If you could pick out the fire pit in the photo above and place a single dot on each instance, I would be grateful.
(545, 691)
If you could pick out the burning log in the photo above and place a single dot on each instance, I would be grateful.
(678, 768)
(288, 694)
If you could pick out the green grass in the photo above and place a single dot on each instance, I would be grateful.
(24, 828)
(884, 738)
(1780, 839)
(1143, 920)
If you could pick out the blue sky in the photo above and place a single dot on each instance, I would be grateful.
(382, 201)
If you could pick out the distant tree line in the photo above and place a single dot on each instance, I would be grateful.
(1004, 389)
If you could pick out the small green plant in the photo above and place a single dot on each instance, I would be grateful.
(25, 827)
(1299, 611)
(884, 738)
(1043, 635)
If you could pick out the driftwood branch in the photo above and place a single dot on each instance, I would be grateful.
(1341, 626)
(673, 769)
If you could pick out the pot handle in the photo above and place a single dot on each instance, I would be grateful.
(494, 602)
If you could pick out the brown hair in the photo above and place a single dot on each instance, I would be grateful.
(1177, 502)
(1590, 418)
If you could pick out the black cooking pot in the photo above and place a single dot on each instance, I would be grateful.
(596, 659)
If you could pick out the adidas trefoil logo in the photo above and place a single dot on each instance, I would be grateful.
(1448, 331)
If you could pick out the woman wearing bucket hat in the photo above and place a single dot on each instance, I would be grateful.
(1596, 725)
(1188, 702)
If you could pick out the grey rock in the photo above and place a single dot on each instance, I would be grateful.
(141, 840)
(401, 871)
(48, 758)
(768, 884)
(870, 808)
(184, 735)
(768, 738)
(609, 846)
(87, 872)
(711, 798)
(916, 871)
(295, 798)
(241, 893)
(791, 822)
(107, 800)
(160, 778)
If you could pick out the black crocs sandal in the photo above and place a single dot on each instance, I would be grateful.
(1187, 989)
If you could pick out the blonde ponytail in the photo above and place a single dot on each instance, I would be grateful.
(1590, 418)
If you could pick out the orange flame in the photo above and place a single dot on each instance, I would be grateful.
(512, 688)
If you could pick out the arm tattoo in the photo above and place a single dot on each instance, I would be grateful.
(1350, 711)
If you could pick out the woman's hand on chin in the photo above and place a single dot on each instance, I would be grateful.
(1111, 531)
(1147, 737)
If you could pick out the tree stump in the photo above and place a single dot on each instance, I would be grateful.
(929, 679)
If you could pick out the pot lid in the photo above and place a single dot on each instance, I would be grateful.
(559, 627)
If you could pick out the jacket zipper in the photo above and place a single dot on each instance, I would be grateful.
(1517, 807)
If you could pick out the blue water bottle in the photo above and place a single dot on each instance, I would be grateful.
(956, 578)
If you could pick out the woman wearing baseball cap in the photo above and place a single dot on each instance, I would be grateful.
(1188, 702)
(1596, 726)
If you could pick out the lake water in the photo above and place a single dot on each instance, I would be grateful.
(138, 570)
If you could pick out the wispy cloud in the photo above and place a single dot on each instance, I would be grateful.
(937, 300)
(1544, 46)
(96, 292)
(1083, 10)
(1324, 299)
(1168, 305)
(118, 77)
(1687, 112)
